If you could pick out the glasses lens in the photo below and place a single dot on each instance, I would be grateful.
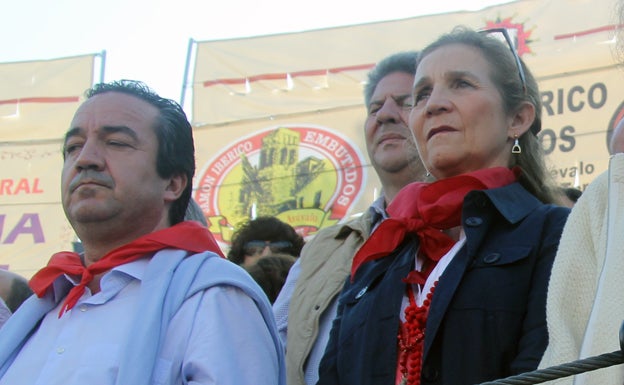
(276, 247)
(254, 247)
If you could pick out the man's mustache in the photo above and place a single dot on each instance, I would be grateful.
(90, 176)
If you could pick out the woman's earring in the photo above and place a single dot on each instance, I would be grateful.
(516, 149)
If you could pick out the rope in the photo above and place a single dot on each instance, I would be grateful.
(564, 370)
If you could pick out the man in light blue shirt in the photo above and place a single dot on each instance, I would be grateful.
(151, 300)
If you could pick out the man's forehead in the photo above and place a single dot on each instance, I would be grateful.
(114, 108)
(395, 84)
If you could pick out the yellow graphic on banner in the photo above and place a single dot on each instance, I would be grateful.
(314, 218)
(308, 176)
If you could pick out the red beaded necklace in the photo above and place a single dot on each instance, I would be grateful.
(411, 338)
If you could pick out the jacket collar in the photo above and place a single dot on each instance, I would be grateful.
(513, 202)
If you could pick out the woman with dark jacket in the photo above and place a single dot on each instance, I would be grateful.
(452, 288)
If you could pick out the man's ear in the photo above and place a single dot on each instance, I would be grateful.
(521, 120)
(177, 184)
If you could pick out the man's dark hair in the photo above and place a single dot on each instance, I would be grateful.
(20, 291)
(270, 273)
(176, 150)
(399, 62)
(572, 193)
(264, 229)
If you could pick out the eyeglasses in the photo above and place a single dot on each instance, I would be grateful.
(502, 34)
(256, 247)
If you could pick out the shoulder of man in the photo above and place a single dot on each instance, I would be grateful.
(208, 269)
(332, 249)
(360, 225)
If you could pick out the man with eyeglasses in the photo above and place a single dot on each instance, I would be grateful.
(262, 236)
(307, 303)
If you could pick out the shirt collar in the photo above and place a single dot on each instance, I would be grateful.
(378, 210)
(132, 270)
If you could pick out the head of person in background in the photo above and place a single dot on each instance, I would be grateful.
(569, 196)
(616, 138)
(270, 273)
(14, 289)
(195, 213)
(262, 236)
(477, 107)
(389, 142)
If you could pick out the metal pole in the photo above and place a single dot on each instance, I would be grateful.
(102, 65)
(186, 70)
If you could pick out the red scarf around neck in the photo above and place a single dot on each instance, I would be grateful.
(425, 209)
(188, 235)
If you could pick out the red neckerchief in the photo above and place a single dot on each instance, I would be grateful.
(425, 209)
(189, 236)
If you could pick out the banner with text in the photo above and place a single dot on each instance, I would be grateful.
(269, 87)
(32, 223)
(37, 102)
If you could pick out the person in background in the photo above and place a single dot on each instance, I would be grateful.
(261, 236)
(569, 196)
(584, 315)
(307, 305)
(451, 289)
(14, 291)
(5, 312)
(270, 273)
(585, 308)
(616, 141)
(151, 300)
(195, 213)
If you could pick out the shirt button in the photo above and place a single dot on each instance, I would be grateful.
(361, 293)
(60, 350)
(430, 373)
(492, 258)
(473, 221)
(83, 308)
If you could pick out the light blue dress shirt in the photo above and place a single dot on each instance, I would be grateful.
(217, 336)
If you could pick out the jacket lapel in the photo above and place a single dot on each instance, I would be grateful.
(449, 281)
(454, 272)
(513, 203)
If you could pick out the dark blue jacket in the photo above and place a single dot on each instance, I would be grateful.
(487, 318)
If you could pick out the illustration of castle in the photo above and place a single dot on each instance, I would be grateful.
(281, 182)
